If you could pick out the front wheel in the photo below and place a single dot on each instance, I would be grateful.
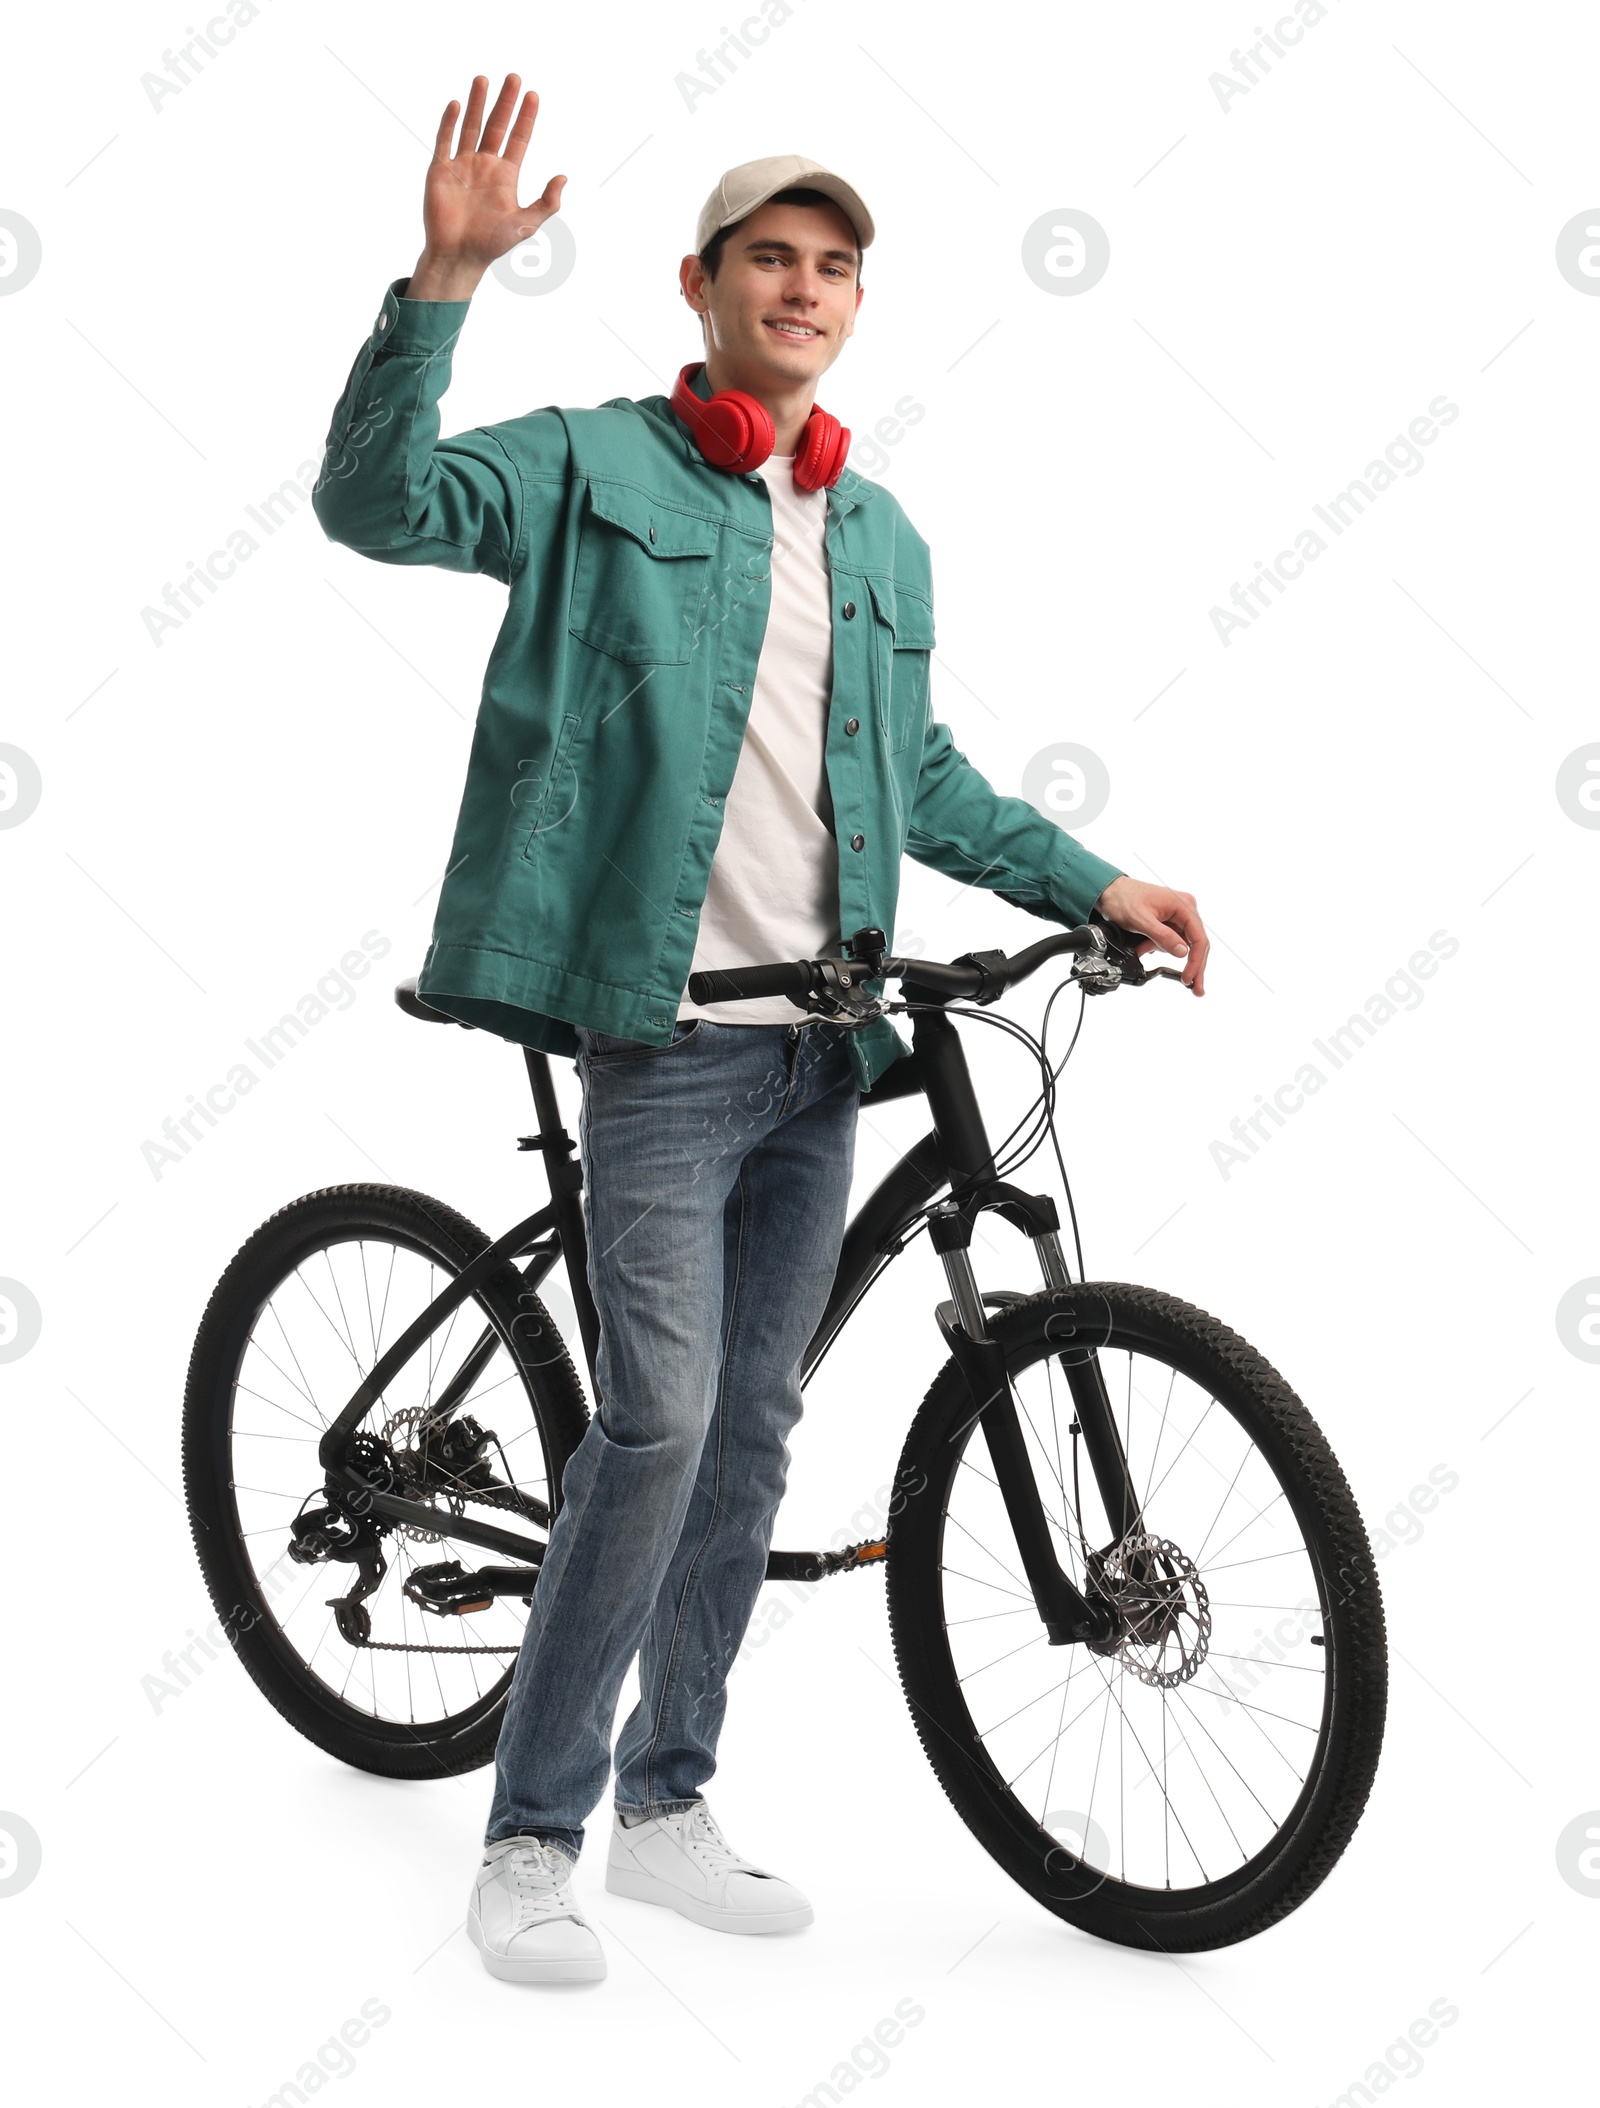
(1192, 1781)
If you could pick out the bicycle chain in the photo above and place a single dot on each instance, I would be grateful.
(415, 1647)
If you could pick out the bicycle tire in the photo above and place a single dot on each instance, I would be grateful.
(457, 1741)
(1299, 1857)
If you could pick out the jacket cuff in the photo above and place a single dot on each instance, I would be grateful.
(1082, 880)
(420, 327)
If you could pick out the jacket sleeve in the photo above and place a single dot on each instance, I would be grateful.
(964, 827)
(389, 486)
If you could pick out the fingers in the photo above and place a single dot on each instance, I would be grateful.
(505, 102)
(550, 199)
(1186, 917)
(444, 138)
(522, 130)
(1157, 928)
(478, 137)
(477, 95)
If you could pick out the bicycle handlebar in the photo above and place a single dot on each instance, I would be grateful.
(746, 983)
(830, 986)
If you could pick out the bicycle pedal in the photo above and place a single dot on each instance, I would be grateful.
(449, 1593)
(445, 1590)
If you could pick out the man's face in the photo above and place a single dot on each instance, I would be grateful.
(784, 298)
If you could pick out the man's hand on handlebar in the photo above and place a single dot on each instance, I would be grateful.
(1167, 919)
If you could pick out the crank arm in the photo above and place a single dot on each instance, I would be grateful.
(1066, 1614)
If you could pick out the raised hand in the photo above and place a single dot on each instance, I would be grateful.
(470, 213)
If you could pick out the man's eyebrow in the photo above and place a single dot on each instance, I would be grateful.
(841, 255)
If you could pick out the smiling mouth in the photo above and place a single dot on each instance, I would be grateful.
(795, 332)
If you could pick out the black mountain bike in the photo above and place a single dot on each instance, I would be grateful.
(1132, 1601)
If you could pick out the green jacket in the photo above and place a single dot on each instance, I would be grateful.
(614, 705)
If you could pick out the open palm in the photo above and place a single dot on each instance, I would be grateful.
(470, 212)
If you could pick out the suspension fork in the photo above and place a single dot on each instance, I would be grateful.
(1091, 1402)
(1067, 1615)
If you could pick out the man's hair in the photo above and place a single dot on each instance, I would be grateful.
(711, 254)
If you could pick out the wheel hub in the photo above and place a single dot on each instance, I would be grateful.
(1163, 1613)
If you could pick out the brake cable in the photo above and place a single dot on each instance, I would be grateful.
(1038, 1127)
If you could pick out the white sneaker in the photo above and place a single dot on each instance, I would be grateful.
(523, 1919)
(684, 1861)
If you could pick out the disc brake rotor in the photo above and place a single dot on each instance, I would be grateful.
(1161, 1603)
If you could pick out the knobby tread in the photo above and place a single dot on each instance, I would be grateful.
(1294, 1443)
(554, 1394)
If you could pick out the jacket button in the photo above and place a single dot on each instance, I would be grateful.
(849, 610)
(652, 534)
(858, 841)
(852, 725)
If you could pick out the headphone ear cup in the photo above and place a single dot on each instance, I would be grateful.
(737, 431)
(732, 431)
(823, 448)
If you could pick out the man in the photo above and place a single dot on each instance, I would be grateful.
(704, 741)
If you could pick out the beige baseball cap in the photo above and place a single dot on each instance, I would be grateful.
(743, 188)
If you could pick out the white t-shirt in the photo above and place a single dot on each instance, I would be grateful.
(773, 888)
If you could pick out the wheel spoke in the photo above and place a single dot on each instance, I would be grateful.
(333, 1309)
(1168, 1800)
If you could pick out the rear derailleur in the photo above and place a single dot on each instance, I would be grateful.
(439, 1459)
(317, 1534)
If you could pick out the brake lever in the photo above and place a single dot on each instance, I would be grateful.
(1124, 957)
(837, 994)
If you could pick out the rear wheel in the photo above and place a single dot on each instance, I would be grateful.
(1196, 1780)
(480, 1422)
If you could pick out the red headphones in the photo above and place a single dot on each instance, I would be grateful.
(735, 432)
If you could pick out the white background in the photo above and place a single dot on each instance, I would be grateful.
(1292, 281)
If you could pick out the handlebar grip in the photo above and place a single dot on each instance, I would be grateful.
(941, 979)
(750, 982)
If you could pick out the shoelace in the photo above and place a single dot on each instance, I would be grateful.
(537, 1874)
(708, 1841)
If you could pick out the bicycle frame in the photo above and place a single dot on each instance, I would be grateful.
(956, 1153)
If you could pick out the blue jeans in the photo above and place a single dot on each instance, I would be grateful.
(716, 1180)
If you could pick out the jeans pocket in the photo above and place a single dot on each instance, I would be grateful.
(604, 1048)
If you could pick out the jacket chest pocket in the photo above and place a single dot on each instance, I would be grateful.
(905, 643)
(640, 580)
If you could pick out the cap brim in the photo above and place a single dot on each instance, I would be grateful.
(831, 186)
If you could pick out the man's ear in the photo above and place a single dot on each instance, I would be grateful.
(691, 283)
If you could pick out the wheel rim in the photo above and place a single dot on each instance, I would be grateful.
(347, 1297)
(1173, 1763)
